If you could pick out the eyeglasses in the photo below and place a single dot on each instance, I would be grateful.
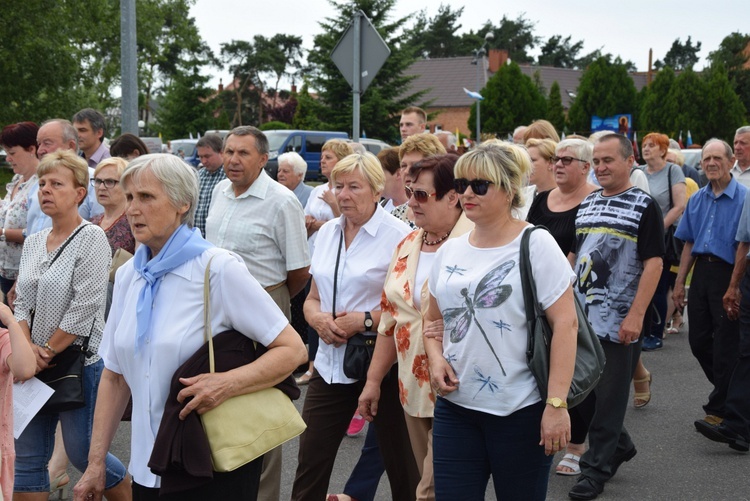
(108, 183)
(420, 196)
(566, 161)
(478, 186)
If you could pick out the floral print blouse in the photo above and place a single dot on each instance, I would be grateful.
(119, 234)
(13, 217)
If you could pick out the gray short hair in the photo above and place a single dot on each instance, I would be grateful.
(68, 131)
(295, 160)
(177, 178)
(95, 118)
(745, 129)
(450, 137)
(261, 141)
(584, 150)
(727, 149)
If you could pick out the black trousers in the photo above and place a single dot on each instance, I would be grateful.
(713, 337)
(737, 417)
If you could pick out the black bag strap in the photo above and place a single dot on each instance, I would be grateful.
(336, 274)
(669, 185)
(65, 244)
(533, 308)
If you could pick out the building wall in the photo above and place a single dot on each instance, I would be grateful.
(449, 119)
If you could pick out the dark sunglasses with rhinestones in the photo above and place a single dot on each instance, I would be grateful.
(478, 186)
(420, 196)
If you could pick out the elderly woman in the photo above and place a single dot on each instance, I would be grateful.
(291, 173)
(61, 304)
(127, 146)
(19, 142)
(542, 151)
(412, 150)
(489, 414)
(666, 183)
(437, 212)
(149, 335)
(109, 194)
(350, 261)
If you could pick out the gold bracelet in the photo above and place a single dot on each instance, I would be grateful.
(47, 346)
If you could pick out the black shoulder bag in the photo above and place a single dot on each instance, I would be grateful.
(672, 245)
(359, 347)
(589, 353)
(65, 373)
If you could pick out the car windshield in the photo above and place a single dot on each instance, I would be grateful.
(187, 147)
(276, 139)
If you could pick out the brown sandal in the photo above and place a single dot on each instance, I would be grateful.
(641, 399)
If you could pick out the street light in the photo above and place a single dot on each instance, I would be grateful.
(480, 53)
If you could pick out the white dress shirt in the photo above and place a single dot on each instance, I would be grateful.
(265, 226)
(361, 276)
(318, 209)
(237, 302)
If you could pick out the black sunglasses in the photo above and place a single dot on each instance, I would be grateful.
(566, 161)
(420, 196)
(478, 186)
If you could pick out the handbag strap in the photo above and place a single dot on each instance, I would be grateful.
(669, 185)
(336, 274)
(207, 316)
(65, 244)
(533, 309)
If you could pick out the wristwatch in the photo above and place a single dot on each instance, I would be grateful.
(557, 403)
(368, 321)
(2, 236)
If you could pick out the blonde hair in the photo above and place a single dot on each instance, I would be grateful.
(546, 147)
(338, 147)
(368, 164)
(541, 129)
(426, 144)
(118, 163)
(679, 158)
(506, 164)
(66, 159)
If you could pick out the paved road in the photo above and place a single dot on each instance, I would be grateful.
(673, 462)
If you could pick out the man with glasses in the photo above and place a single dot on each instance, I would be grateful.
(209, 153)
(618, 261)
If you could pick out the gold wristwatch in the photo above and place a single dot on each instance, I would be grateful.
(557, 403)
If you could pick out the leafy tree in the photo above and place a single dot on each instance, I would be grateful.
(731, 53)
(681, 56)
(246, 61)
(185, 107)
(687, 99)
(605, 89)
(656, 109)
(516, 36)
(560, 52)
(555, 111)
(284, 56)
(388, 93)
(306, 116)
(725, 111)
(436, 36)
(510, 99)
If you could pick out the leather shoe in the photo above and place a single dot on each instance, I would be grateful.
(652, 343)
(586, 488)
(618, 459)
(723, 435)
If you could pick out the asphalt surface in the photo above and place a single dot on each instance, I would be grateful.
(673, 461)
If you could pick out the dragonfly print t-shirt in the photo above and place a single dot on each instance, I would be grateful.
(478, 291)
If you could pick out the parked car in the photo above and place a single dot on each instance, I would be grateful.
(305, 142)
(3, 156)
(153, 144)
(374, 146)
(185, 149)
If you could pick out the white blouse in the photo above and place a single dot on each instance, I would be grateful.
(317, 208)
(361, 276)
(70, 294)
(237, 302)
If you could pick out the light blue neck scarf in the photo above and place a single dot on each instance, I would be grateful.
(182, 246)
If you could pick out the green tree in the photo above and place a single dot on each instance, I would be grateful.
(510, 99)
(388, 93)
(560, 52)
(681, 56)
(605, 89)
(436, 36)
(687, 98)
(725, 111)
(656, 109)
(731, 53)
(555, 111)
(306, 116)
(185, 107)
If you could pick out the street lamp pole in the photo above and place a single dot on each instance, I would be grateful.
(479, 61)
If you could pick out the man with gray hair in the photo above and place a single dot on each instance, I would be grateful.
(291, 173)
(90, 127)
(741, 169)
(448, 140)
(262, 222)
(209, 153)
(518, 134)
(708, 227)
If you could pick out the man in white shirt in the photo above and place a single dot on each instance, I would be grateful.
(741, 169)
(263, 222)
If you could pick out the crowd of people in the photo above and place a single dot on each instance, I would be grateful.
(414, 253)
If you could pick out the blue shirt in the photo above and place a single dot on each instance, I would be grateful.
(710, 222)
(743, 230)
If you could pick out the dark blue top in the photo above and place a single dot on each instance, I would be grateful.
(710, 222)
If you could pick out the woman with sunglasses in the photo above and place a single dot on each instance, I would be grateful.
(438, 214)
(490, 418)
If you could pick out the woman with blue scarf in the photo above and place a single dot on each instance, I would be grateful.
(156, 324)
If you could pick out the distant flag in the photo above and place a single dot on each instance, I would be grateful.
(510, 137)
(364, 134)
(191, 135)
(458, 134)
(636, 152)
(689, 139)
(563, 136)
(160, 135)
(679, 140)
(473, 95)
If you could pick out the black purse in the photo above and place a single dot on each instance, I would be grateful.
(65, 374)
(672, 245)
(359, 347)
(589, 353)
